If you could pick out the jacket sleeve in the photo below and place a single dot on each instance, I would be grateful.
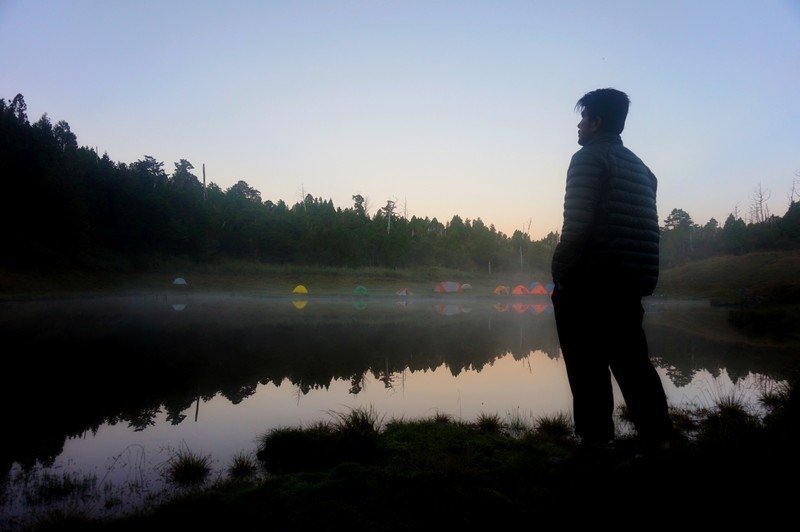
(581, 202)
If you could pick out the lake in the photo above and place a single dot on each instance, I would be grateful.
(105, 390)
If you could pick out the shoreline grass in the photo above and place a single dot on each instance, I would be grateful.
(485, 472)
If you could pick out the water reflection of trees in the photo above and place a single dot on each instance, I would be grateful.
(67, 371)
(683, 355)
(101, 365)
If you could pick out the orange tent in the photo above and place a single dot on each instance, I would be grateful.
(537, 289)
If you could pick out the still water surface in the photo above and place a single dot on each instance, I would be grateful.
(112, 387)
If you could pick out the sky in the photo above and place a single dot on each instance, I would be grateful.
(445, 107)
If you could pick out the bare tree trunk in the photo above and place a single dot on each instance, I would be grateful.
(759, 210)
(794, 195)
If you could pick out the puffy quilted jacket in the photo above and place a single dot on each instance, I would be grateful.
(610, 232)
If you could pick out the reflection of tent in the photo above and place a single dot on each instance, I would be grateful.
(404, 292)
(466, 286)
(300, 304)
(537, 289)
(520, 308)
(180, 281)
(539, 308)
(179, 306)
(360, 305)
(447, 287)
(520, 290)
(448, 310)
(403, 303)
(501, 289)
(300, 289)
(501, 307)
(361, 290)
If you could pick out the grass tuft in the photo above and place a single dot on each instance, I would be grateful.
(187, 468)
(685, 420)
(358, 421)
(517, 425)
(557, 426)
(783, 409)
(352, 436)
(490, 423)
(776, 398)
(290, 449)
(443, 418)
(728, 424)
(243, 466)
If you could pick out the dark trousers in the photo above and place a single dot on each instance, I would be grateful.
(600, 329)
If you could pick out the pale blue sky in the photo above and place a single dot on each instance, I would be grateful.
(451, 107)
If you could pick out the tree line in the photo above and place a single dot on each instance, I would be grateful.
(682, 240)
(65, 206)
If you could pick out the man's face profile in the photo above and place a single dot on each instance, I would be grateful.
(587, 128)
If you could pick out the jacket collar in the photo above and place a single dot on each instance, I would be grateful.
(611, 138)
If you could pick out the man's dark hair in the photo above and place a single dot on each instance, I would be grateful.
(610, 105)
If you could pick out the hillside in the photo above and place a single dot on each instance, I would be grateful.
(767, 276)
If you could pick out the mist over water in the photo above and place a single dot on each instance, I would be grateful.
(113, 386)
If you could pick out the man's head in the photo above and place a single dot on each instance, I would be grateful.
(602, 111)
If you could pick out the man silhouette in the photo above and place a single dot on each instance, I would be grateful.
(605, 262)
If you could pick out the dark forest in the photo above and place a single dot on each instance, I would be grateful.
(67, 208)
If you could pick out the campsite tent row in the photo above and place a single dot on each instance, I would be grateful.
(360, 290)
(449, 287)
(534, 289)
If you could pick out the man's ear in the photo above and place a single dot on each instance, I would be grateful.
(596, 124)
